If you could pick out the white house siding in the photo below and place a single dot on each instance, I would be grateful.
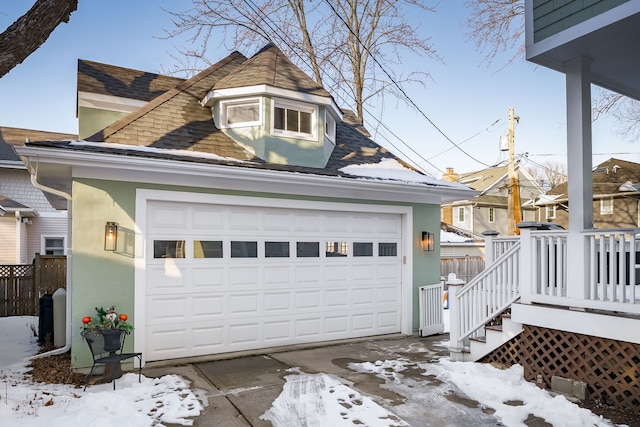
(16, 185)
(7, 239)
(47, 224)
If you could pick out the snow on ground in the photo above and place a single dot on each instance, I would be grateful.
(319, 400)
(431, 393)
(152, 402)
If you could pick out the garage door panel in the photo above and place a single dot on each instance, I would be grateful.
(243, 220)
(167, 278)
(207, 307)
(363, 296)
(208, 302)
(244, 333)
(208, 278)
(243, 304)
(167, 309)
(203, 218)
(309, 327)
(306, 275)
(307, 300)
(277, 275)
(336, 298)
(275, 302)
(277, 330)
(245, 277)
(362, 272)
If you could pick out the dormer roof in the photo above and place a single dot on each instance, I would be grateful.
(271, 67)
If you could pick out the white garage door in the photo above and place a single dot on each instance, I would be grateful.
(223, 278)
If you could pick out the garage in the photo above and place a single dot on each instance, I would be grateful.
(224, 274)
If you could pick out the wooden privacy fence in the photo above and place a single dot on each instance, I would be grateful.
(465, 268)
(22, 285)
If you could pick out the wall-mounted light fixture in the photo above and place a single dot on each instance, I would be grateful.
(111, 236)
(427, 242)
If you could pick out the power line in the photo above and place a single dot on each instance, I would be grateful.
(397, 85)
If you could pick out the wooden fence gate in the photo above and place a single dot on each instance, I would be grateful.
(22, 285)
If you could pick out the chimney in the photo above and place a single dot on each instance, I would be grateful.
(450, 176)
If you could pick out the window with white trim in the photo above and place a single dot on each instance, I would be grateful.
(329, 127)
(241, 112)
(294, 119)
(492, 215)
(460, 214)
(52, 245)
(551, 211)
(606, 206)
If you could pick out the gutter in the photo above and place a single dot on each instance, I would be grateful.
(67, 345)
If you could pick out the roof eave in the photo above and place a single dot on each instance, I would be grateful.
(174, 172)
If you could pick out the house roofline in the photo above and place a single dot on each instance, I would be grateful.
(65, 165)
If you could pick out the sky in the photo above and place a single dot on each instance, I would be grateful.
(464, 96)
(314, 400)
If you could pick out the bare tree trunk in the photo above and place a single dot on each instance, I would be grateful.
(31, 30)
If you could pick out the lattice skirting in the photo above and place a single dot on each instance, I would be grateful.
(611, 369)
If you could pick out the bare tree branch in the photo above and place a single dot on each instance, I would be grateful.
(31, 30)
(333, 39)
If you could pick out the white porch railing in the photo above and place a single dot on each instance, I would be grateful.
(534, 267)
(611, 260)
(486, 296)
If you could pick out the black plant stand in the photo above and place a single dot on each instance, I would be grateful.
(106, 348)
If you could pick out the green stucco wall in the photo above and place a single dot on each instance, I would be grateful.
(553, 16)
(93, 120)
(101, 278)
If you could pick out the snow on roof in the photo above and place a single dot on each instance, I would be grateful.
(392, 169)
(142, 148)
(448, 237)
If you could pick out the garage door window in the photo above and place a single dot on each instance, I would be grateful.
(168, 248)
(387, 249)
(207, 249)
(308, 249)
(362, 249)
(276, 249)
(337, 249)
(244, 249)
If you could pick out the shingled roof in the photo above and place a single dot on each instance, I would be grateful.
(608, 177)
(16, 136)
(107, 79)
(175, 120)
(271, 67)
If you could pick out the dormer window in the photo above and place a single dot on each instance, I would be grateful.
(329, 127)
(241, 112)
(294, 119)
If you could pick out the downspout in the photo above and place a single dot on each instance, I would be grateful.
(66, 196)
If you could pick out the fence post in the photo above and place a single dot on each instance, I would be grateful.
(455, 318)
(489, 250)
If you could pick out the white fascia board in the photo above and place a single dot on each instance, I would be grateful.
(172, 172)
(109, 102)
(267, 90)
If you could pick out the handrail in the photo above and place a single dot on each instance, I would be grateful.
(489, 293)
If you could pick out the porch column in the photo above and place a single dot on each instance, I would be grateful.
(455, 318)
(579, 161)
(489, 250)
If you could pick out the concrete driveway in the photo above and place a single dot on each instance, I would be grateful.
(242, 390)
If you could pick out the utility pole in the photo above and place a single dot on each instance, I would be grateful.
(514, 183)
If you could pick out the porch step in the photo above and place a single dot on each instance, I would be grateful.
(495, 336)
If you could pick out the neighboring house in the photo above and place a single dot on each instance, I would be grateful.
(251, 211)
(29, 224)
(573, 295)
(461, 252)
(616, 197)
(489, 210)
